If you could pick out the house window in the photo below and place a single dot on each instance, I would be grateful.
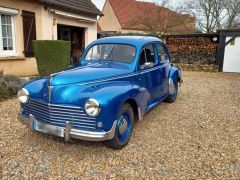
(7, 35)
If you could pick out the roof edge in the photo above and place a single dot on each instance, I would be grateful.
(99, 13)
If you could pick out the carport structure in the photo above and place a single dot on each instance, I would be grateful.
(228, 53)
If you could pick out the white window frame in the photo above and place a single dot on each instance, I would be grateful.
(12, 13)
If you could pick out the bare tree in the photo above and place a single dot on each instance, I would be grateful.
(233, 12)
(218, 13)
(159, 19)
(212, 15)
(203, 10)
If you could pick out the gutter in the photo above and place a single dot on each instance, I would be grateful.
(74, 16)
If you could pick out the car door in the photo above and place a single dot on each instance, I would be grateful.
(165, 65)
(150, 77)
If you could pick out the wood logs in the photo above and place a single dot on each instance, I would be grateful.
(192, 50)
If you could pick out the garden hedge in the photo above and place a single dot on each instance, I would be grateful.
(52, 56)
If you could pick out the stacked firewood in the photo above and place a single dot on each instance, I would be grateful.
(193, 50)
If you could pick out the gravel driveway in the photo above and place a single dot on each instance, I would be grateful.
(196, 137)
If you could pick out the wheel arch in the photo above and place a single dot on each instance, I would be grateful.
(175, 74)
(135, 108)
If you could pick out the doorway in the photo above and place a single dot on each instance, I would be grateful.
(76, 36)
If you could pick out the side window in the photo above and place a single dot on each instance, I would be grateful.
(147, 55)
(162, 55)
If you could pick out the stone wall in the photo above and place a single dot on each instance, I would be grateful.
(198, 67)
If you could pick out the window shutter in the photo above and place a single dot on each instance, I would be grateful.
(29, 32)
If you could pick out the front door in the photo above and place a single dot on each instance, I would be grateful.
(150, 77)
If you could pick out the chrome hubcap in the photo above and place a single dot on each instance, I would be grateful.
(123, 126)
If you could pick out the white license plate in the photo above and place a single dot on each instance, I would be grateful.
(48, 129)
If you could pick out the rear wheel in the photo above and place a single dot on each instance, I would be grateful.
(173, 91)
(124, 128)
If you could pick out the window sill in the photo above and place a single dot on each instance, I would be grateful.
(12, 58)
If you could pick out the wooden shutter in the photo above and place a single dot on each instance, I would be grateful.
(29, 32)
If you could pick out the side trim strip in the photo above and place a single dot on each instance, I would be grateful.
(124, 76)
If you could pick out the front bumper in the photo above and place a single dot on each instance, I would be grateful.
(66, 132)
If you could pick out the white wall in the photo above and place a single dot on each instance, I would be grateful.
(232, 56)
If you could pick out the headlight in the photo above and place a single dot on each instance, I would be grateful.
(23, 96)
(92, 107)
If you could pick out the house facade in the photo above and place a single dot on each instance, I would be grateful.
(119, 16)
(23, 21)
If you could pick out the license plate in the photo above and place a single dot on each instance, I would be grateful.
(48, 129)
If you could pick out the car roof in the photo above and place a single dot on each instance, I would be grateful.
(137, 41)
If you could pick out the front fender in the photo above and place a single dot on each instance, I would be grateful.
(113, 95)
(37, 88)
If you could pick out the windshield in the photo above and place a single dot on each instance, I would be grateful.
(111, 52)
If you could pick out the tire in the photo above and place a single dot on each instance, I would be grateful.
(124, 128)
(172, 96)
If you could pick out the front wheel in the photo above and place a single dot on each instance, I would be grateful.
(173, 91)
(124, 128)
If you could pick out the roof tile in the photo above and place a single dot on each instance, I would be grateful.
(128, 10)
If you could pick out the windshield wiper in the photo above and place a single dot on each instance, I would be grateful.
(108, 55)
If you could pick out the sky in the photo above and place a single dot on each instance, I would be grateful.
(100, 3)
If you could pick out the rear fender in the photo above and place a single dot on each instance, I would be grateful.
(175, 74)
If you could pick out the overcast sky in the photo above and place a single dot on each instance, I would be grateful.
(100, 3)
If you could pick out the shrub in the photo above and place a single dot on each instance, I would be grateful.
(9, 86)
(51, 56)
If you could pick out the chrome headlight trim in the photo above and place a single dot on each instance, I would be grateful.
(23, 96)
(92, 107)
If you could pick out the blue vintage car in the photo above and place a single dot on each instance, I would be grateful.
(118, 81)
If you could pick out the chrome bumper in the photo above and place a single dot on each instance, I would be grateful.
(67, 132)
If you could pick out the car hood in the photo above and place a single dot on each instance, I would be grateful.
(89, 73)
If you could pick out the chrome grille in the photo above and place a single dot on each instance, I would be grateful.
(58, 115)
